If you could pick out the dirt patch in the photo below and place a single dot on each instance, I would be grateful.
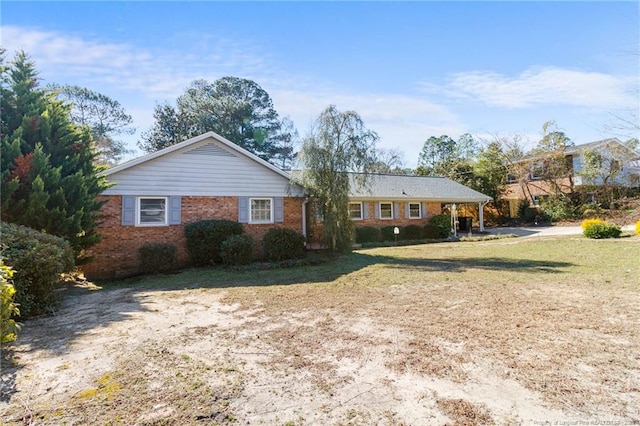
(409, 337)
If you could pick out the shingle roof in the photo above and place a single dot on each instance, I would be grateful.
(601, 143)
(413, 188)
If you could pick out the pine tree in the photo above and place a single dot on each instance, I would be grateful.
(49, 179)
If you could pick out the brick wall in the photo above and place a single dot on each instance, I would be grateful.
(116, 255)
(432, 210)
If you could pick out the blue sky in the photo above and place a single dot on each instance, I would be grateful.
(411, 69)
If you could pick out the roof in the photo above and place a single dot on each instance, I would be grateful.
(412, 188)
(379, 186)
(577, 149)
(148, 157)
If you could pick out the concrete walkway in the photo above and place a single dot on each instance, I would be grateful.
(542, 231)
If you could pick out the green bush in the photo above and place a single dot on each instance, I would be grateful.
(283, 244)
(431, 232)
(601, 230)
(205, 237)
(367, 234)
(413, 232)
(557, 208)
(38, 260)
(8, 308)
(443, 223)
(237, 250)
(386, 233)
(157, 257)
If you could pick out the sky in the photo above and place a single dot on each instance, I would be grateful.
(411, 70)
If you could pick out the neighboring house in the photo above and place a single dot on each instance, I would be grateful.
(206, 177)
(401, 200)
(619, 166)
(154, 196)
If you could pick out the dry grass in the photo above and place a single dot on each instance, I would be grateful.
(382, 336)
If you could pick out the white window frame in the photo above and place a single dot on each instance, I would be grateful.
(535, 199)
(537, 171)
(270, 220)
(361, 215)
(380, 211)
(139, 221)
(419, 211)
(511, 178)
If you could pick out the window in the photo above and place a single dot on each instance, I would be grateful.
(536, 200)
(511, 178)
(414, 211)
(386, 211)
(355, 211)
(538, 171)
(152, 211)
(261, 210)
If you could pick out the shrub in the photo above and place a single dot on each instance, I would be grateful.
(602, 230)
(237, 250)
(588, 222)
(283, 244)
(386, 233)
(443, 223)
(8, 308)
(413, 232)
(38, 260)
(367, 234)
(205, 237)
(157, 257)
(557, 208)
(431, 232)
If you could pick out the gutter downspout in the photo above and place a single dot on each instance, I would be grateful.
(304, 219)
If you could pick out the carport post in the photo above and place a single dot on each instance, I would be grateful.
(481, 214)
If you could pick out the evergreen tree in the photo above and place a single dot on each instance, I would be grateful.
(235, 108)
(49, 180)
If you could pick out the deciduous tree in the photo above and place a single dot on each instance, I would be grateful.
(105, 117)
(338, 143)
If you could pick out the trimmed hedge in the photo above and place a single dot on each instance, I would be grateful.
(157, 257)
(237, 250)
(283, 244)
(413, 232)
(205, 237)
(443, 223)
(367, 234)
(38, 260)
(387, 233)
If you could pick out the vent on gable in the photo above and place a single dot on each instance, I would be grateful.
(211, 150)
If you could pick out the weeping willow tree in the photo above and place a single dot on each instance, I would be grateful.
(338, 144)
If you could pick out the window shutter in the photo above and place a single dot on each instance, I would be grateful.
(376, 212)
(407, 213)
(175, 210)
(423, 210)
(278, 209)
(365, 210)
(396, 208)
(128, 210)
(243, 209)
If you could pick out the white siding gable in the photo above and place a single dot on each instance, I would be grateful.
(205, 168)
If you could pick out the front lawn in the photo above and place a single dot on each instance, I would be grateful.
(493, 332)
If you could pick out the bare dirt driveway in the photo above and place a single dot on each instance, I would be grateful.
(513, 331)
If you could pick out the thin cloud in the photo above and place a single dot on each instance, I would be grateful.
(544, 86)
(152, 72)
